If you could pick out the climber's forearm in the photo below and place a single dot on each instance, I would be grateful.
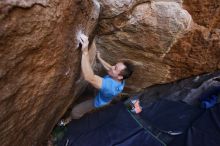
(106, 65)
(86, 66)
(88, 73)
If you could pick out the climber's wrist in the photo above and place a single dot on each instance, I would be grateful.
(85, 52)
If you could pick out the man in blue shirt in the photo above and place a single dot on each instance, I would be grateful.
(108, 86)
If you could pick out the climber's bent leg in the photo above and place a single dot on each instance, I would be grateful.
(82, 108)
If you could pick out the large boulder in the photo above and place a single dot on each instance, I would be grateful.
(39, 65)
(161, 38)
(198, 50)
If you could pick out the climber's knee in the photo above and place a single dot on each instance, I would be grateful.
(79, 110)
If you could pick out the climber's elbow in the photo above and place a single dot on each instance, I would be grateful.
(95, 80)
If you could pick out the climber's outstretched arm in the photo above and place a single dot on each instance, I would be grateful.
(87, 71)
(106, 65)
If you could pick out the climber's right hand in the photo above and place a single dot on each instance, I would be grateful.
(84, 42)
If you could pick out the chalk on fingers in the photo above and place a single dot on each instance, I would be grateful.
(79, 39)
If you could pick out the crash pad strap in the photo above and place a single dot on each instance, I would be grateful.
(162, 137)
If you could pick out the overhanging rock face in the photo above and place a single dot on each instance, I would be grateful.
(39, 65)
(166, 39)
(198, 50)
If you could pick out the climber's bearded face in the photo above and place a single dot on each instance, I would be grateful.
(115, 71)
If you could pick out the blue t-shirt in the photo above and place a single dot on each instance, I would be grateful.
(109, 89)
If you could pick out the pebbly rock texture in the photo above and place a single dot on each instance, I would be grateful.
(197, 51)
(166, 39)
(39, 64)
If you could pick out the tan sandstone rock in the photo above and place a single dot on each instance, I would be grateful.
(197, 51)
(144, 33)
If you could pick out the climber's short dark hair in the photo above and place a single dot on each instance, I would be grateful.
(127, 72)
